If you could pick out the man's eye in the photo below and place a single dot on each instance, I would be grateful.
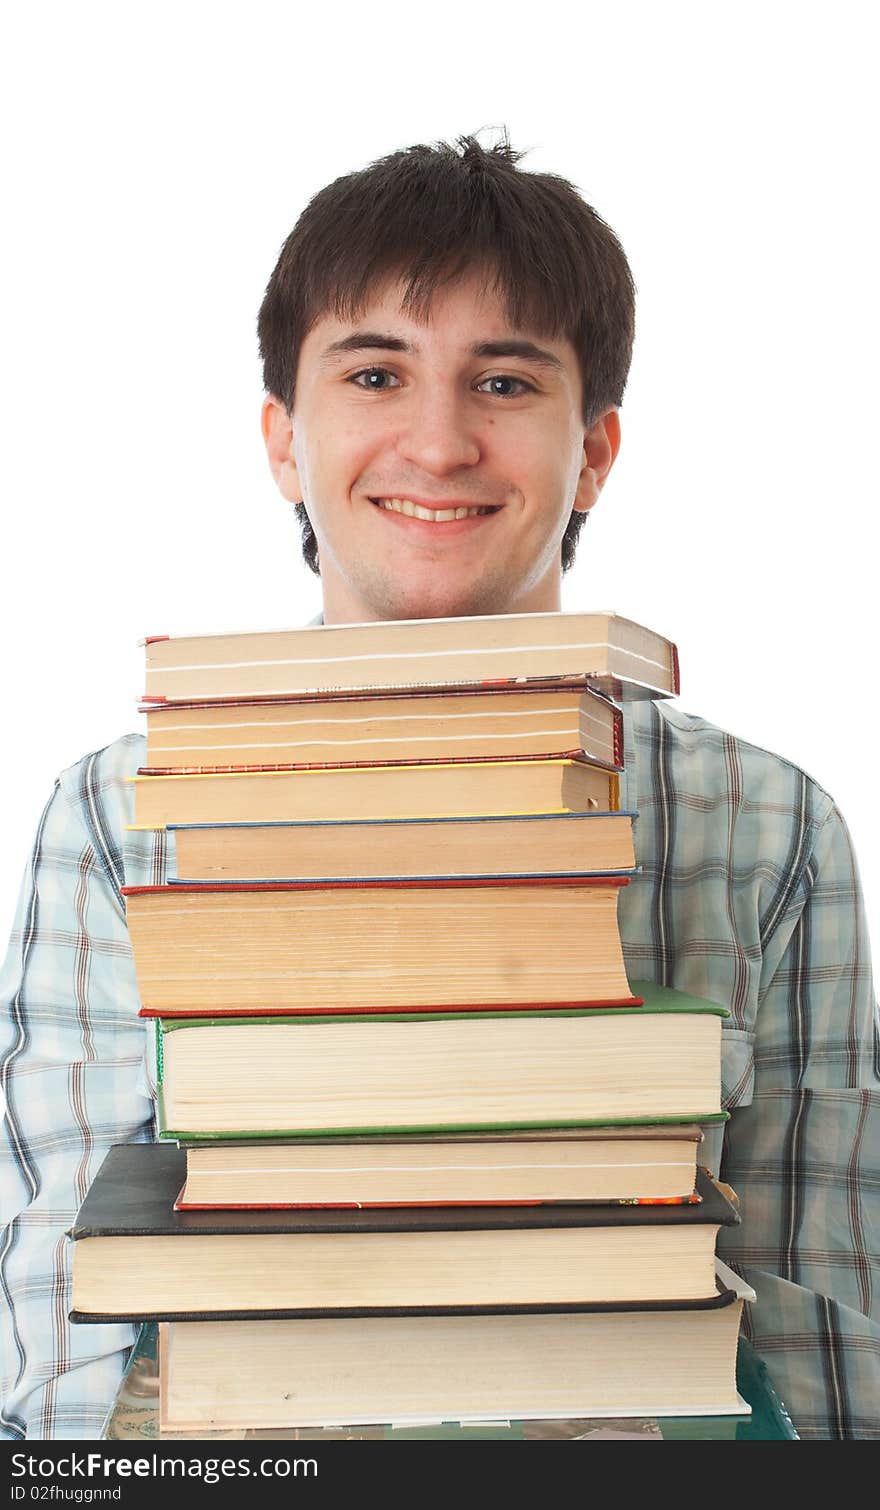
(375, 379)
(501, 386)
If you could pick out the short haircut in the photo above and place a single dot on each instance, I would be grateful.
(428, 214)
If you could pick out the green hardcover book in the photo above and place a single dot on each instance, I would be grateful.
(387, 1074)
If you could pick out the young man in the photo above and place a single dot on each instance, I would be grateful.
(446, 341)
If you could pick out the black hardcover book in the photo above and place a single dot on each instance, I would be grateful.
(136, 1257)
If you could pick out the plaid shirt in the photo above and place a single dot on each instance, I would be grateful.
(748, 895)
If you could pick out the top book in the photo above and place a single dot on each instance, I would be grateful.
(609, 653)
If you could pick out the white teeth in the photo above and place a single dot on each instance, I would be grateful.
(434, 516)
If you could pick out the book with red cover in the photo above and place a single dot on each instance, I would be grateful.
(418, 725)
(651, 1162)
(613, 654)
(397, 945)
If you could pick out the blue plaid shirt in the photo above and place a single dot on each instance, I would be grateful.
(748, 895)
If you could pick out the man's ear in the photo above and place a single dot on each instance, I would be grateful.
(601, 445)
(277, 427)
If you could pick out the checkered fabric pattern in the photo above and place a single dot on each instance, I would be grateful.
(747, 895)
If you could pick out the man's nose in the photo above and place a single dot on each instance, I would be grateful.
(439, 433)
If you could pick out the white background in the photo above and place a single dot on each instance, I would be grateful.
(159, 156)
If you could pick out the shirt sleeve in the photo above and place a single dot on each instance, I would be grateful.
(75, 1080)
(803, 1155)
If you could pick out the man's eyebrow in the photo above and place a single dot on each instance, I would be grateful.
(376, 340)
(366, 340)
(527, 351)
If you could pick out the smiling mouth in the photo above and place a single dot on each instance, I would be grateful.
(433, 516)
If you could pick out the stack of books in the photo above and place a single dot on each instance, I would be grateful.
(426, 1153)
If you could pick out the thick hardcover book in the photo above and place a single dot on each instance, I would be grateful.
(134, 1414)
(298, 946)
(430, 1072)
(476, 788)
(136, 1256)
(590, 1164)
(360, 729)
(418, 849)
(344, 1372)
(614, 655)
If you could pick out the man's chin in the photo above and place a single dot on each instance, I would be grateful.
(435, 602)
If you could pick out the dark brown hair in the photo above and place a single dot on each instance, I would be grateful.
(427, 214)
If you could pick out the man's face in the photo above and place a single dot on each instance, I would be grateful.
(439, 460)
